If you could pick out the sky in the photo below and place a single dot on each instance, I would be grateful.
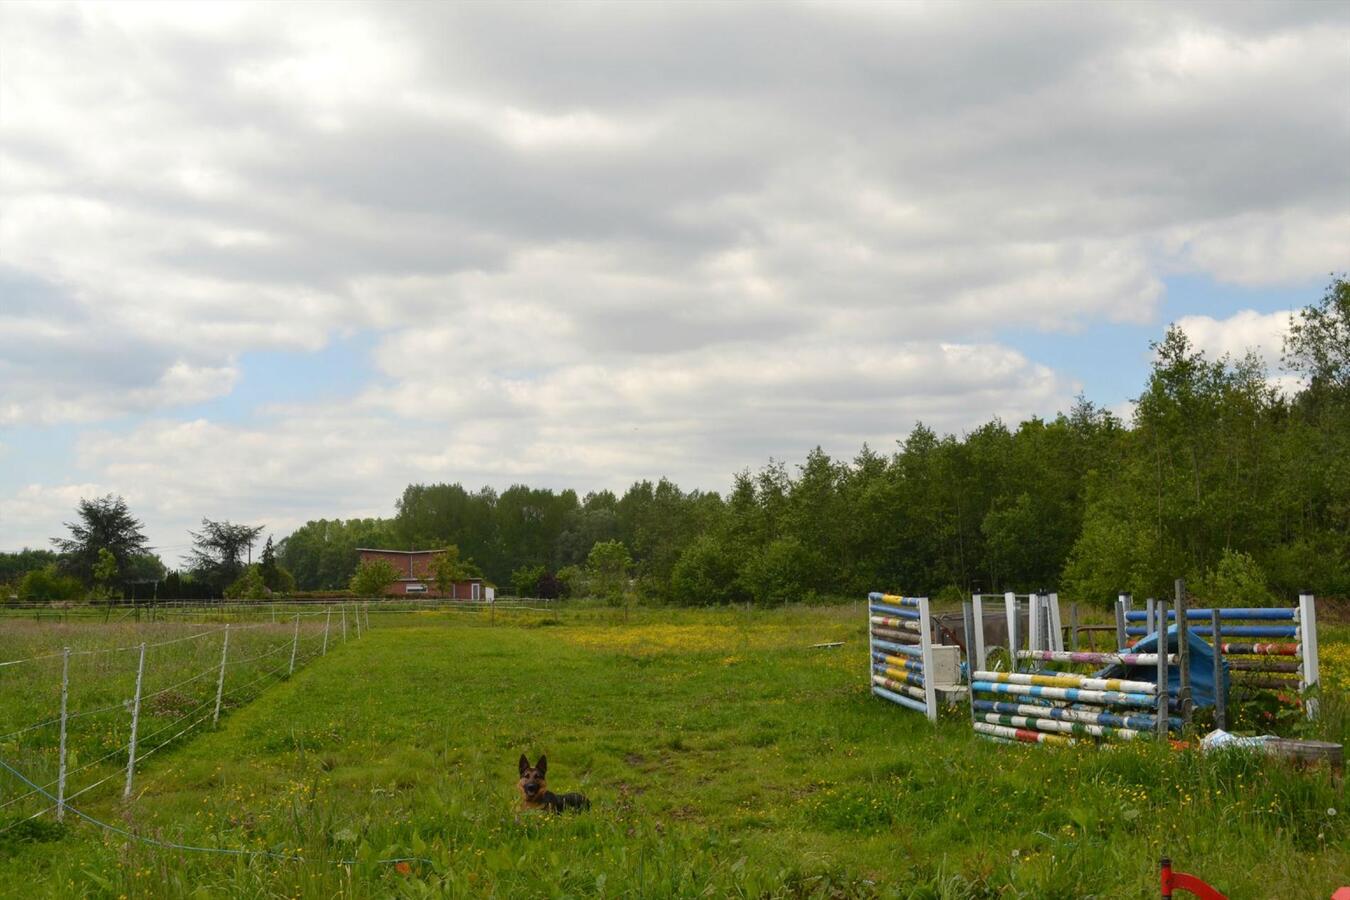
(270, 263)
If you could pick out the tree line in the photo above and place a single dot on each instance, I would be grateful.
(1217, 477)
(106, 556)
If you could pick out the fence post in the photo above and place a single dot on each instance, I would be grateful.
(1183, 654)
(220, 679)
(977, 609)
(61, 773)
(1220, 703)
(357, 617)
(968, 620)
(1073, 627)
(1159, 608)
(1149, 612)
(367, 615)
(1010, 608)
(274, 614)
(135, 722)
(328, 619)
(295, 645)
(1122, 604)
(1307, 635)
(344, 623)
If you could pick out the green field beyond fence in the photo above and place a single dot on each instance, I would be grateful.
(723, 754)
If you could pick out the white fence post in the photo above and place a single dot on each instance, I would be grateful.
(1307, 635)
(220, 680)
(357, 616)
(135, 723)
(926, 654)
(977, 640)
(295, 644)
(61, 772)
(367, 615)
(344, 623)
(326, 622)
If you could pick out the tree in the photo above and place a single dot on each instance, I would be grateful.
(49, 584)
(572, 581)
(218, 550)
(447, 570)
(608, 567)
(372, 577)
(1317, 345)
(105, 523)
(105, 572)
(526, 580)
(248, 586)
(267, 565)
(705, 573)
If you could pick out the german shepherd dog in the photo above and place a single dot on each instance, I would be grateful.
(534, 790)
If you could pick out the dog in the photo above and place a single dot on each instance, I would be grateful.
(534, 790)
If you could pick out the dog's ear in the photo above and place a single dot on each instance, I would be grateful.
(524, 763)
(542, 766)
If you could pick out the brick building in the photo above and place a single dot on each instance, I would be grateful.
(415, 575)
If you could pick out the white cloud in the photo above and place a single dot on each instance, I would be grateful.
(1262, 333)
(622, 240)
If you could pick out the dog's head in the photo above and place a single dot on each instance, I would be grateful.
(532, 783)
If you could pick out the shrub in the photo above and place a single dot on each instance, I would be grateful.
(1236, 581)
(48, 584)
(249, 586)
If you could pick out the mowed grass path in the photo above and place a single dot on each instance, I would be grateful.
(724, 757)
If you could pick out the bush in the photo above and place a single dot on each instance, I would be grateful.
(525, 580)
(47, 584)
(705, 573)
(249, 586)
(1236, 581)
(372, 577)
(779, 572)
(573, 581)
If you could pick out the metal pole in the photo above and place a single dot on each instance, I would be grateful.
(1073, 626)
(1183, 654)
(61, 774)
(367, 615)
(1149, 612)
(295, 644)
(1010, 608)
(328, 619)
(344, 623)
(357, 617)
(1160, 609)
(135, 723)
(220, 679)
(1220, 700)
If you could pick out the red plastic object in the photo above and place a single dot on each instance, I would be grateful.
(1180, 881)
(1342, 893)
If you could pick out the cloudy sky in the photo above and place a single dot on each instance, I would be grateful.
(270, 263)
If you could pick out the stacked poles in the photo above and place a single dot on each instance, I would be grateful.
(900, 644)
(1057, 707)
(1265, 665)
(1032, 706)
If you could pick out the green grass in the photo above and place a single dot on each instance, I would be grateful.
(723, 757)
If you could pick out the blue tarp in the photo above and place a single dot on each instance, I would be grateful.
(1202, 667)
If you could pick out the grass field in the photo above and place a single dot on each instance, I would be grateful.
(724, 757)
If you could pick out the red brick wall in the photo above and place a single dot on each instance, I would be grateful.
(417, 565)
